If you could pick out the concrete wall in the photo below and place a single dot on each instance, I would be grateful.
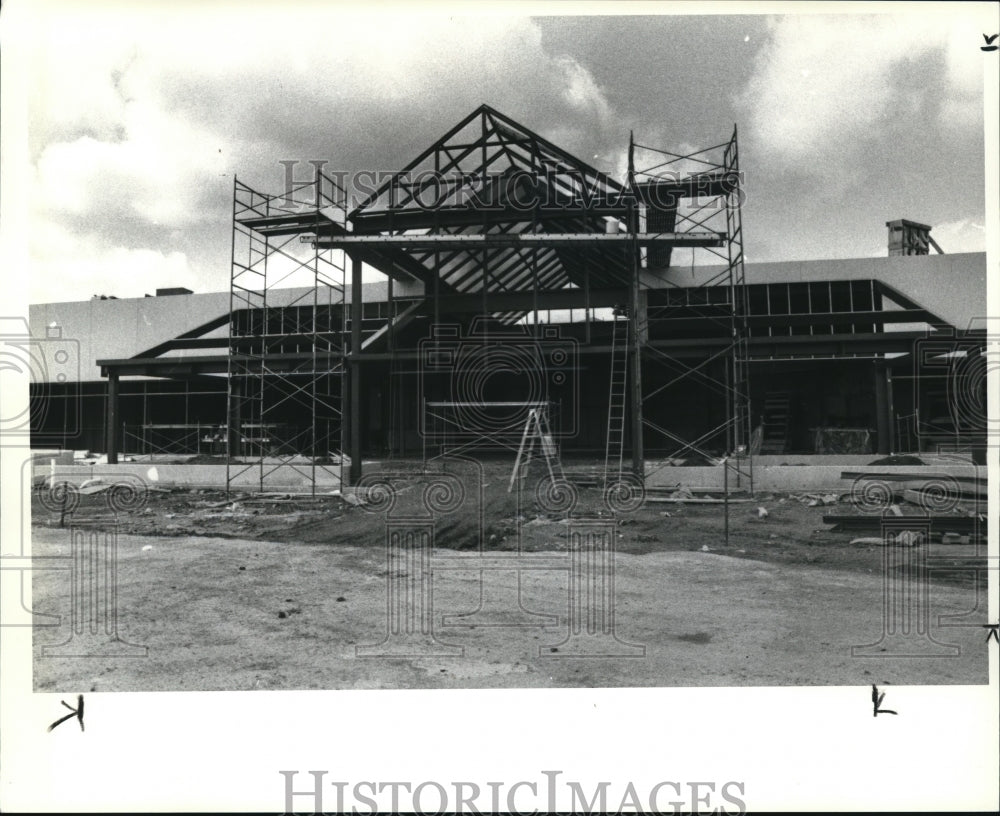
(108, 329)
(781, 478)
(950, 286)
(792, 478)
(953, 287)
(279, 477)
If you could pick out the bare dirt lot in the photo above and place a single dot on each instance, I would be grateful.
(277, 592)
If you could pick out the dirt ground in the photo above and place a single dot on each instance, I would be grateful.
(276, 592)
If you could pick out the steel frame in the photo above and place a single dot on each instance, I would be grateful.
(589, 233)
(486, 244)
(263, 378)
(707, 188)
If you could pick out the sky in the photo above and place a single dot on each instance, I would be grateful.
(138, 120)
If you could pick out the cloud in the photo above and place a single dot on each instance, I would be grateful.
(825, 82)
(964, 235)
(140, 118)
(75, 267)
(140, 121)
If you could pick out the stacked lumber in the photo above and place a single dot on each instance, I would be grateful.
(964, 487)
(962, 525)
(940, 497)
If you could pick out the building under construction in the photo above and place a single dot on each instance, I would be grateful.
(521, 282)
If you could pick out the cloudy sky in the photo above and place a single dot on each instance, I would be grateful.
(137, 122)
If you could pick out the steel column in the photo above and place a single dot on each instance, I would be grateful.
(883, 407)
(112, 418)
(357, 314)
(638, 318)
(235, 421)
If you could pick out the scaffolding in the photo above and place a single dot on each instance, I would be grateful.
(701, 190)
(494, 223)
(585, 241)
(286, 345)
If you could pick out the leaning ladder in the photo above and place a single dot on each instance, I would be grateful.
(615, 446)
(536, 429)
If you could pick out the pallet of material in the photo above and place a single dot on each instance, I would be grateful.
(967, 525)
(911, 477)
(708, 491)
(921, 498)
(694, 500)
(965, 485)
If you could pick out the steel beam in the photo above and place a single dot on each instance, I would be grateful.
(638, 315)
(422, 218)
(541, 240)
(112, 419)
(356, 317)
(234, 425)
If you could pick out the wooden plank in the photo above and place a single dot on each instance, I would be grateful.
(667, 500)
(955, 524)
(517, 239)
(911, 477)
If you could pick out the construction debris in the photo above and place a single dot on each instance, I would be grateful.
(957, 525)
(965, 486)
(906, 538)
(815, 499)
(693, 500)
(898, 459)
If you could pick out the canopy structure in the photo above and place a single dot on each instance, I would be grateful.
(494, 236)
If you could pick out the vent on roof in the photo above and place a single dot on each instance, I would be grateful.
(173, 290)
(910, 238)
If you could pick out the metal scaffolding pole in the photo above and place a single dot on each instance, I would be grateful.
(696, 192)
(357, 314)
(285, 349)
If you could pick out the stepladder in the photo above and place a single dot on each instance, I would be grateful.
(537, 432)
(615, 441)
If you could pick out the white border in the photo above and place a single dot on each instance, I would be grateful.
(795, 748)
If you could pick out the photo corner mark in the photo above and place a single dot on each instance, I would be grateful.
(877, 699)
(74, 712)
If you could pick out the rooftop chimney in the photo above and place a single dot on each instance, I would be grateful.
(910, 238)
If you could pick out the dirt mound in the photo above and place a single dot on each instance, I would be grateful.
(899, 459)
